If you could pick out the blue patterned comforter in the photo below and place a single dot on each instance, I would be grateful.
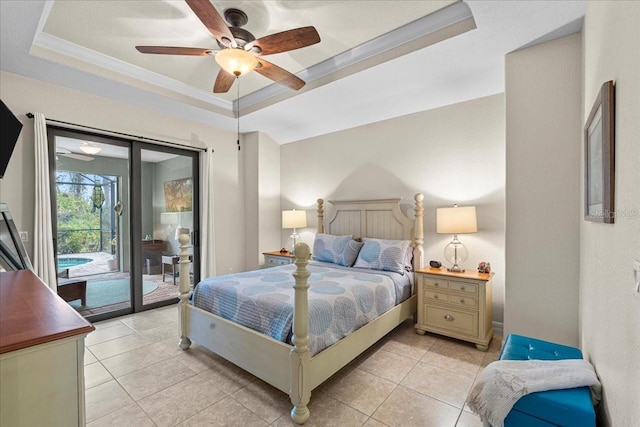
(341, 299)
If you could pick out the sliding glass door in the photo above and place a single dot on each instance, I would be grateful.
(117, 207)
(167, 206)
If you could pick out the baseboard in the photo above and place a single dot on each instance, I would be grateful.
(498, 328)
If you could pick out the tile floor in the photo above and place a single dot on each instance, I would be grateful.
(136, 375)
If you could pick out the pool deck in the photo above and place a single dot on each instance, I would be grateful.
(97, 265)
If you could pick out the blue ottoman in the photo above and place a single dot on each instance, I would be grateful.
(568, 407)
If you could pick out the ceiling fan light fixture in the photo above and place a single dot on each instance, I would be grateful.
(236, 61)
(90, 148)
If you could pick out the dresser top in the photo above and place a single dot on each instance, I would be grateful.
(32, 314)
(468, 274)
(278, 253)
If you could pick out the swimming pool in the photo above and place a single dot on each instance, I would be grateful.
(71, 262)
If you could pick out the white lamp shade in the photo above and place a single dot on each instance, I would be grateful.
(236, 61)
(294, 219)
(456, 220)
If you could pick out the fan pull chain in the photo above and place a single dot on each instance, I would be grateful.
(238, 112)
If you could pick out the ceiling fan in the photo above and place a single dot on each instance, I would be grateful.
(240, 52)
(65, 152)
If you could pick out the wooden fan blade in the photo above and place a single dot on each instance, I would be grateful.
(223, 82)
(211, 19)
(287, 40)
(170, 50)
(279, 75)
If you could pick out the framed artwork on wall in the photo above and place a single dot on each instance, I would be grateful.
(178, 195)
(599, 158)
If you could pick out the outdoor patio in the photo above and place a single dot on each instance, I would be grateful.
(97, 270)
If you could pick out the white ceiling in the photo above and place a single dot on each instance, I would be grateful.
(89, 46)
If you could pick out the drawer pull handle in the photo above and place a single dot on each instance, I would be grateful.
(449, 317)
(461, 300)
(436, 284)
(435, 297)
(462, 288)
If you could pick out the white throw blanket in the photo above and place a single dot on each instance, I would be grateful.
(503, 382)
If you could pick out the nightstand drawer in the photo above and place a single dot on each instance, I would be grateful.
(436, 283)
(435, 296)
(458, 321)
(273, 261)
(463, 301)
(469, 288)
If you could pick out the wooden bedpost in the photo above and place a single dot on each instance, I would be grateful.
(300, 392)
(320, 216)
(418, 250)
(184, 289)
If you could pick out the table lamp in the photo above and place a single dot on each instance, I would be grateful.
(294, 219)
(456, 220)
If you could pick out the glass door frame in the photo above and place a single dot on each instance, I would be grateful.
(136, 217)
(135, 212)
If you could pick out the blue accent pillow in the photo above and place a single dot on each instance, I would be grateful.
(350, 253)
(328, 247)
(380, 254)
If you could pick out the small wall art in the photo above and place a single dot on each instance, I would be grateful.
(599, 158)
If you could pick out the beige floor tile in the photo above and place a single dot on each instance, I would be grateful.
(107, 334)
(107, 323)
(139, 358)
(405, 341)
(180, 401)
(149, 319)
(170, 346)
(150, 380)
(407, 408)
(359, 389)
(226, 412)
(105, 399)
(439, 383)
(162, 332)
(467, 419)
(463, 362)
(265, 401)
(199, 358)
(89, 358)
(227, 376)
(488, 358)
(327, 411)
(390, 366)
(118, 345)
(95, 374)
(130, 415)
(374, 423)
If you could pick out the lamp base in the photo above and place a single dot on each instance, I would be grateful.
(456, 269)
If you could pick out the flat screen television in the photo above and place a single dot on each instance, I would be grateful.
(10, 131)
(13, 255)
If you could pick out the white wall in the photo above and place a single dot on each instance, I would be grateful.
(262, 197)
(543, 99)
(24, 95)
(609, 305)
(453, 154)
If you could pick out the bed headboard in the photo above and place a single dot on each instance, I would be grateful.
(381, 219)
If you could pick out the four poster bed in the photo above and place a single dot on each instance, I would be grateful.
(300, 348)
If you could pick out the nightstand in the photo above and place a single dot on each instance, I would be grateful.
(274, 258)
(458, 305)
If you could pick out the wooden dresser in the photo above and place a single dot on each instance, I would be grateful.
(458, 305)
(41, 355)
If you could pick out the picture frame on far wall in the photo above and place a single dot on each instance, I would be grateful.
(599, 157)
